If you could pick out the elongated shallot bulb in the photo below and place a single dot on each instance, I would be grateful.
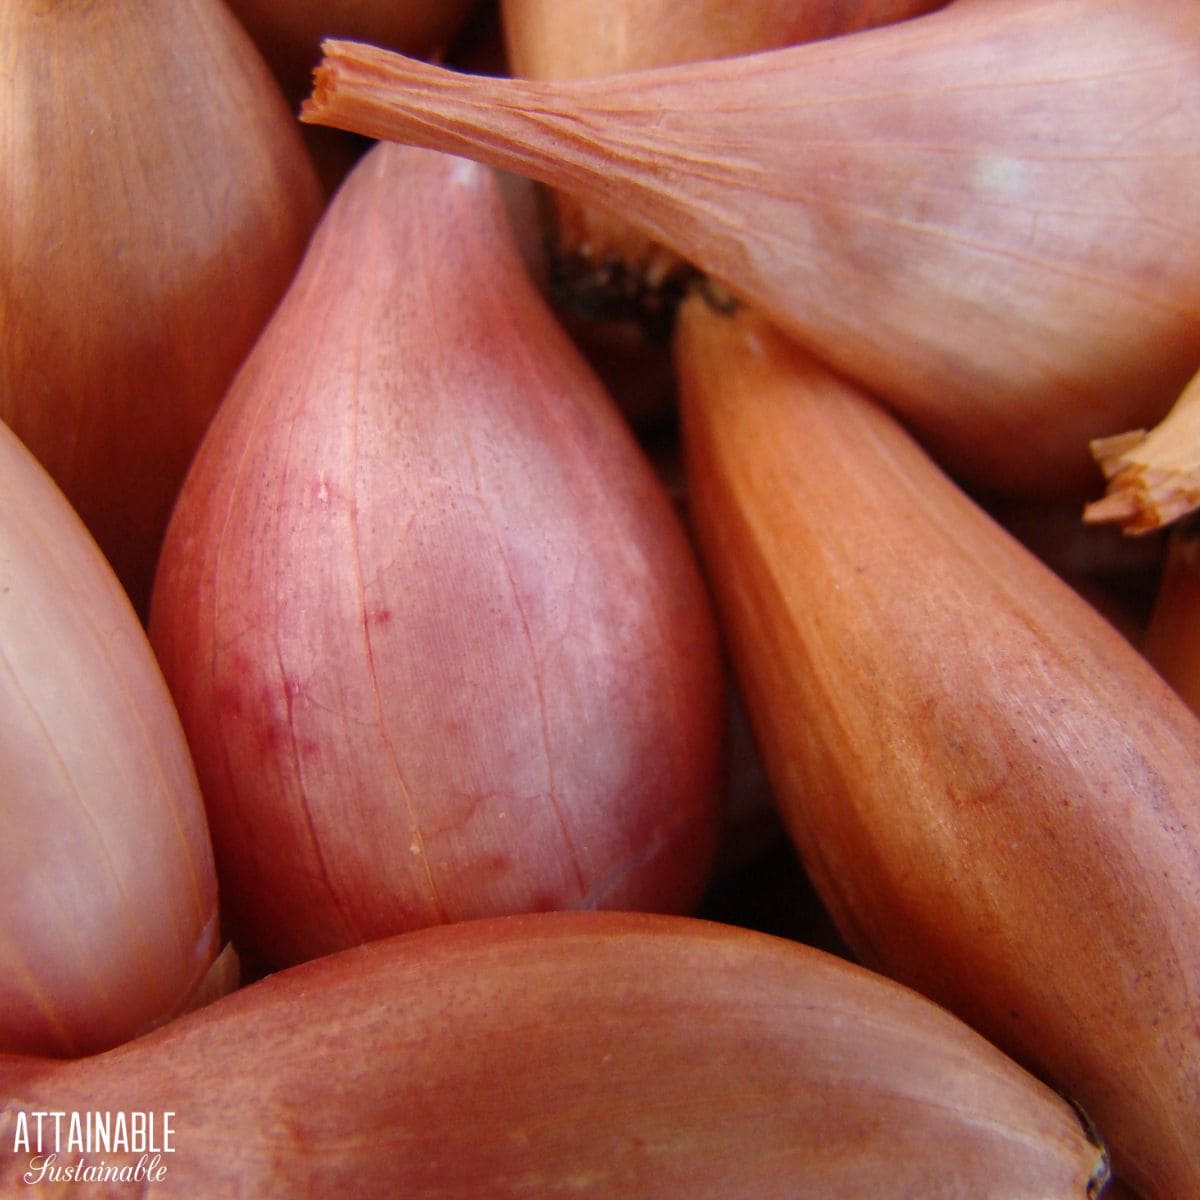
(108, 897)
(157, 197)
(436, 633)
(994, 793)
(985, 215)
(592, 1055)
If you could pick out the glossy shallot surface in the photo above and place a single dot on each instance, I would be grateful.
(436, 634)
(995, 794)
(156, 199)
(108, 898)
(985, 215)
(582, 1054)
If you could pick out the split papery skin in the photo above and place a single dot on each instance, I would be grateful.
(985, 215)
(584, 1054)
(1153, 478)
(108, 896)
(995, 795)
(435, 631)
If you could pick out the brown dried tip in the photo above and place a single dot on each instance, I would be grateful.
(1153, 478)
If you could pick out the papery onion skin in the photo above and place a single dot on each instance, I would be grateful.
(583, 1054)
(947, 209)
(436, 633)
(157, 197)
(108, 898)
(547, 39)
(614, 287)
(1153, 479)
(993, 792)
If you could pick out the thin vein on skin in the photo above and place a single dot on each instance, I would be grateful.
(259, 416)
(553, 793)
(355, 546)
(49, 552)
(305, 807)
(620, 540)
(150, 756)
(67, 927)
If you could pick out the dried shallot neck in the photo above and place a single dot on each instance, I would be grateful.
(1153, 478)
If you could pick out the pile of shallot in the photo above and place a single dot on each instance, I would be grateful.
(600, 599)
